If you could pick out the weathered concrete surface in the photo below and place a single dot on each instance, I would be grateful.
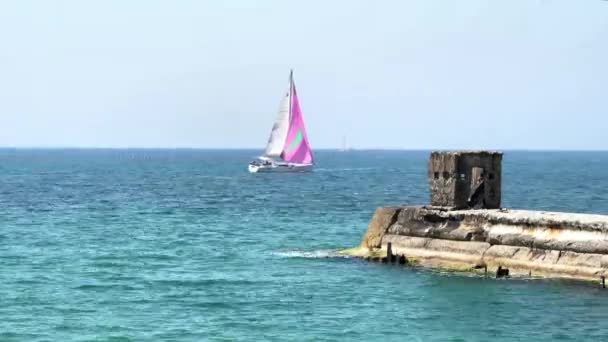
(457, 251)
(541, 243)
(383, 218)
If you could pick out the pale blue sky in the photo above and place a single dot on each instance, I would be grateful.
(412, 74)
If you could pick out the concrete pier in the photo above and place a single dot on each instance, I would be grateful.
(456, 235)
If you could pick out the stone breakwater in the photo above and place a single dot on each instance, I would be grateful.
(526, 242)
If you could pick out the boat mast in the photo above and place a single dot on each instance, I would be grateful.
(291, 91)
(290, 95)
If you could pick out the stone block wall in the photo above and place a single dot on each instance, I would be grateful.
(465, 179)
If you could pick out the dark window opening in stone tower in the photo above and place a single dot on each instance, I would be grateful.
(446, 175)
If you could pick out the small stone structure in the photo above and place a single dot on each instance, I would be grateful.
(452, 233)
(465, 179)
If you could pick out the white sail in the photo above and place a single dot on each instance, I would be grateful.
(274, 147)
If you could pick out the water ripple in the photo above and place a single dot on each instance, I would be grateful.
(185, 245)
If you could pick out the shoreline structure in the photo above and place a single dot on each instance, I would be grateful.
(465, 229)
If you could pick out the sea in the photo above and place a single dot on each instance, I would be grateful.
(186, 245)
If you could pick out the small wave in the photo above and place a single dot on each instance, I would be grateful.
(98, 287)
(345, 169)
(215, 177)
(197, 283)
(318, 254)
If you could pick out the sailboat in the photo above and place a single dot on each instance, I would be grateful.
(287, 149)
(345, 147)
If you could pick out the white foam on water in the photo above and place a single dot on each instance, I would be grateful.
(318, 254)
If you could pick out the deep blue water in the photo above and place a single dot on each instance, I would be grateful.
(185, 245)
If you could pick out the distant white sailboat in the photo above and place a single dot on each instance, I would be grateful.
(287, 149)
(345, 147)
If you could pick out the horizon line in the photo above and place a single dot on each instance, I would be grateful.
(317, 149)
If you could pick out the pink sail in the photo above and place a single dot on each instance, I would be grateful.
(296, 148)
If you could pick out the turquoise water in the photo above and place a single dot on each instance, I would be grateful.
(185, 245)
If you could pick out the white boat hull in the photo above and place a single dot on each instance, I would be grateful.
(287, 167)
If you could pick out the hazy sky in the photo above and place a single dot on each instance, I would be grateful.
(410, 74)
